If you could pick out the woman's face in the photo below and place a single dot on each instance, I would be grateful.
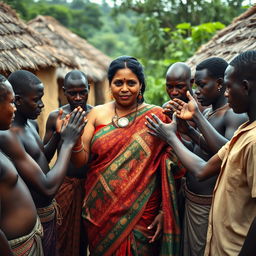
(125, 87)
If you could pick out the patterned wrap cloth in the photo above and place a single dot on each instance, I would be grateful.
(130, 173)
(69, 198)
(48, 216)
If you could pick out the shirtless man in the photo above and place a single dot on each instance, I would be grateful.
(233, 208)
(18, 217)
(210, 90)
(178, 81)
(23, 145)
(70, 194)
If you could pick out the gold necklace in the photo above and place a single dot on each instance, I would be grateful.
(122, 122)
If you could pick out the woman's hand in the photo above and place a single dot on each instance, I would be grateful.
(158, 225)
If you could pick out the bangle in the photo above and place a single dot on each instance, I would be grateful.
(78, 148)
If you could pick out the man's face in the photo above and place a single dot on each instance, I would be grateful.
(207, 88)
(30, 104)
(177, 88)
(7, 109)
(235, 92)
(76, 92)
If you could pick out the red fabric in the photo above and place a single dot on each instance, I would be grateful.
(124, 164)
(97, 128)
(69, 198)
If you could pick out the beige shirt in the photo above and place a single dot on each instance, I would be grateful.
(234, 198)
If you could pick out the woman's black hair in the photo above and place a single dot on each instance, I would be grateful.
(134, 65)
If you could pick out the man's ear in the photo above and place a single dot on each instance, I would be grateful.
(220, 81)
(18, 99)
(246, 86)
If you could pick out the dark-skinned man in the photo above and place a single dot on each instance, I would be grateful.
(210, 90)
(234, 199)
(178, 81)
(70, 194)
(19, 224)
(22, 144)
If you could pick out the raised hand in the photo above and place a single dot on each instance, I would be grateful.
(185, 110)
(59, 121)
(74, 126)
(168, 109)
(158, 225)
(160, 129)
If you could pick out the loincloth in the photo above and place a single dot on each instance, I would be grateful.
(29, 245)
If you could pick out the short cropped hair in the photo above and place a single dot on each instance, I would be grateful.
(3, 88)
(215, 66)
(245, 65)
(75, 74)
(22, 81)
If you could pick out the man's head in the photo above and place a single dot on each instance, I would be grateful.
(76, 88)
(29, 91)
(240, 80)
(178, 81)
(209, 79)
(7, 107)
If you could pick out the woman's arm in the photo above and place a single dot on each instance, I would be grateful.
(81, 151)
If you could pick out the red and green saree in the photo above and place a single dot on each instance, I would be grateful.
(131, 176)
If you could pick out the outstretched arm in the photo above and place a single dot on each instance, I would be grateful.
(190, 110)
(52, 134)
(167, 132)
(30, 171)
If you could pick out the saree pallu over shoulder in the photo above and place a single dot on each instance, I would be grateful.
(124, 166)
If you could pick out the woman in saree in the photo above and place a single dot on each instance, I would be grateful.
(130, 203)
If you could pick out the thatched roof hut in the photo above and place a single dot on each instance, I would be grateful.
(238, 37)
(22, 47)
(89, 59)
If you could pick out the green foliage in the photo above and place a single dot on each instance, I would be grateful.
(59, 12)
(158, 32)
(183, 42)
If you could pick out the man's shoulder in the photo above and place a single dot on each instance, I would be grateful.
(231, 117)
(7, 137)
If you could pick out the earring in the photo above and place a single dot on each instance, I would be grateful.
(219, 88)
(140, 96)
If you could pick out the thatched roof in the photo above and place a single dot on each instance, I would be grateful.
(89, 59)
(238, 37)
(22, 47)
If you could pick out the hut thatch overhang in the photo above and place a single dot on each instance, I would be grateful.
(23, 48)
(88, 59)
(238, 37)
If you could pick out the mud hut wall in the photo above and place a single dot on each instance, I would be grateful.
(50, 98)
(91, 97)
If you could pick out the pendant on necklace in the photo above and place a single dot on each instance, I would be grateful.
(122, 122)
